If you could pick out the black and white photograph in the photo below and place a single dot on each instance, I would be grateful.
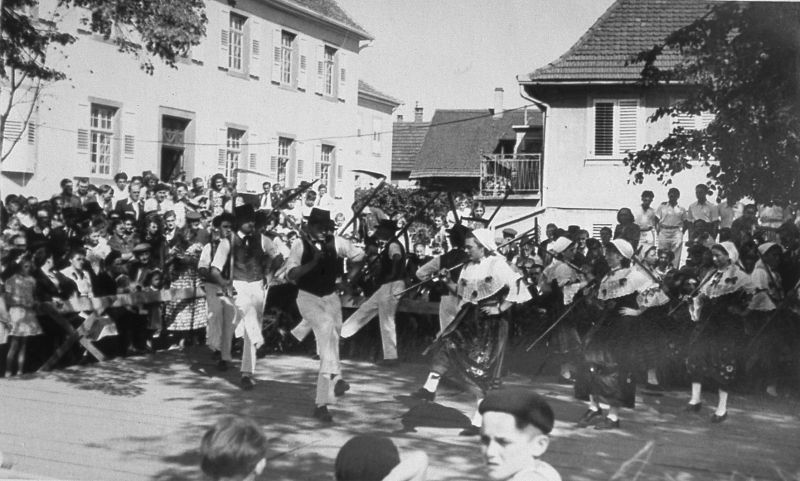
(400, 240)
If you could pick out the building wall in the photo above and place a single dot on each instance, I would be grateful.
(211, 97)
(584, 190)
(374, 144)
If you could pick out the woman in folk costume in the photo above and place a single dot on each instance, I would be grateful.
(654, 329)
(717, 335)
(623, 295)
(772, 332)
(473, 344)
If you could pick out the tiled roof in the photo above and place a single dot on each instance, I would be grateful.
(625, 29)
(457, 138)
(407, 138)
(370, 90)
(331, 10)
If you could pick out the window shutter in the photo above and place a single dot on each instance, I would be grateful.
(335, 180)
(341, 88)
(252, 148)
(255, 68)
(376, 135)
(628, 126)
(291, 166)
(225, 21)
(276, 55)
(32, 131)
(302, 75)
(222, 151)
(703, 120)
(317, 160)
(320, 85)
(300, 168)
(128, 137)
(84, 121)
(683, 120)
(604, 128)
(273, 155)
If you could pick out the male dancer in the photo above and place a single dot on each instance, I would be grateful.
(248, 265)
(313, 264)
(385, 300)
(221, 310)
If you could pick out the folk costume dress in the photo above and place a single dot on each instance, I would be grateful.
(473, 345)
(609, 355)
(655, 329)
(718, 333)
(770, 331)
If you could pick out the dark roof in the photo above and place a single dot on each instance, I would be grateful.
(407, 138)
(330, 10)
(364, 87)
(625, 29)
(457, 138)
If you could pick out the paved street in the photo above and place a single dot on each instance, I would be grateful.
(142, 418)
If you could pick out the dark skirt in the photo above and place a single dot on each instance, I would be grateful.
(771, 343)
(651, 332)
(715, 343)
(472, 348)
(606, 371)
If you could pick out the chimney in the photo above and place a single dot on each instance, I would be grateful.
(417, 113)
(498, 102)
(399, 118)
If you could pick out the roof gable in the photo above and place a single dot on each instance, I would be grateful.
(407, 138)
(456, 140)
(327, 10)
(365, 88)
(625, 29)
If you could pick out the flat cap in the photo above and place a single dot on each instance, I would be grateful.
(142, 247)
(522, 403)
(509, 232)
(192, 215)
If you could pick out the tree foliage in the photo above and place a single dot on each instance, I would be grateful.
(163, 29)
(741, 62)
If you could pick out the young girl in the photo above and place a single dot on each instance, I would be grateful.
(20, 301)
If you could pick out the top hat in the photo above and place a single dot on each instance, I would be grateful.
(320, 217)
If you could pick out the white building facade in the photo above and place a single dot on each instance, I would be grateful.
(270, 94)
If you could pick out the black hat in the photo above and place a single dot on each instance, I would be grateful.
(385, 228)
(366, 458)
(320, 217)
(244, 213)
(509, 232)
(458, 234)
(524, 404)
(192, 215)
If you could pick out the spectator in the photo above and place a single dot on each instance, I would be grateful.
(234, 449)
(376, 458)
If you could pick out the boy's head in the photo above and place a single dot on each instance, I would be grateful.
(516, 423)
(234, 448)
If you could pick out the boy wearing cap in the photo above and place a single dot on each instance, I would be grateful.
(514, 434)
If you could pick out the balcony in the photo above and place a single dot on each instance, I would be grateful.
(521, 172)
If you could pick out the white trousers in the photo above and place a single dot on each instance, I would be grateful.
(646, 239)
(325, 316)
(249, 302)
(672, 240)
(383, 303)
(221, 313)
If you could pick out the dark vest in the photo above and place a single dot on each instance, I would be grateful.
(386, 265)
(247, 260)
(320, 281)
(452, 258)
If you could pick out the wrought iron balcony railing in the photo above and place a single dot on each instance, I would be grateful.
(522, 172)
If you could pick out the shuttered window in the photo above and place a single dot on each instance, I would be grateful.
(236, 43)
(233, 154)
(322, 169)
(329, 70)
(284, 157)
(604, 128)
(103, 125)
(287, 55)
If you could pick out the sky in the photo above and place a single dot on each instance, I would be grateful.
(453, 53)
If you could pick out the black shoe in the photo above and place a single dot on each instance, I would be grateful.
(607, 424)
(424, 395)
(693, 408)
(340, 388)
(588, 417)
(222, 365)
(715, 419)
(653, 387)
(321, 413)
(315, 357)
(247, 383)
(216, 356)
(472, 430)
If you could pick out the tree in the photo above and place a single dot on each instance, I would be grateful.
(146, 29)
(742, 63)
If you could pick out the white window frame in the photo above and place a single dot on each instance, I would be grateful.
(236, 42)
(102, 131)
(324, 165)
(234, 150)
(616, 153)
(329, 64)
(285, 151)
(287, 56)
